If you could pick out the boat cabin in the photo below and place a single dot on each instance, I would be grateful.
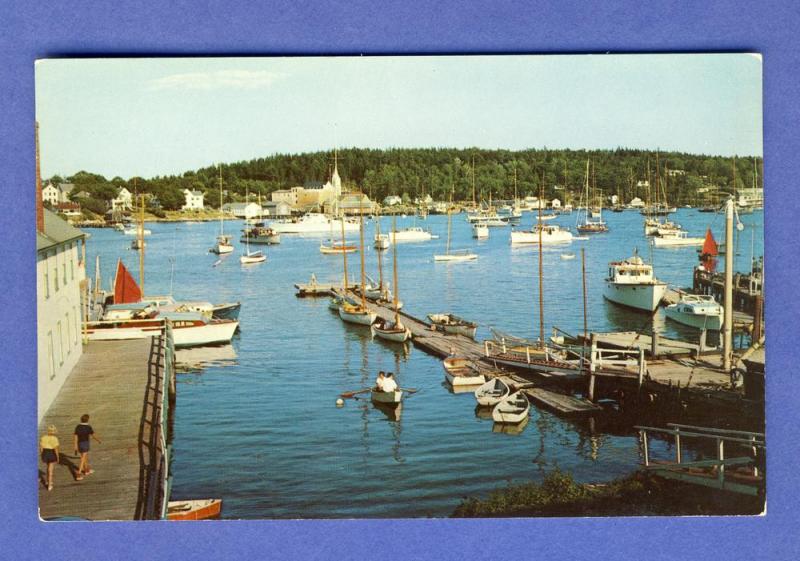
(630, 271)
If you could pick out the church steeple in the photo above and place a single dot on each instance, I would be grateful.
(336, 181)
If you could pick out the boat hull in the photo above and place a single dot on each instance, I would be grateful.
(360, 318)
(197, 509)
(394, 335)
(640, 296)
(386, 397)
(698, 321)
(455, 258)
(509, 412)
(519, 238)
(226, 311)
(677, 242)
(491, 393)
(216, 332)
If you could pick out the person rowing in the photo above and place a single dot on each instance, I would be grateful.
(380, 380)
(389, 385)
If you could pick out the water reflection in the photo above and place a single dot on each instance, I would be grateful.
(512, 429)
(460, 389)
(196, 359)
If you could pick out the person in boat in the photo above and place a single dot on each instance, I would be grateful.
(389, 385)
(81, 439)
(48, 449)
(379, 381)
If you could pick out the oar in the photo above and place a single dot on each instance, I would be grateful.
(353, 393)
(410, 390)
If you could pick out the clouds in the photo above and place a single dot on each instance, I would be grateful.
(216, 80)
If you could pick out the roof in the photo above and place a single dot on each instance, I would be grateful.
(66, 188)
(56, 231)
(193, 192)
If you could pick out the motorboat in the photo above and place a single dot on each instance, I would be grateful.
(480, 231)
(411, 234)
(513, 409)
(381, 241)
(313, 223)
(631, 283)
(697, 310)
(260, 235)
(453, 324)
(676, 239)
(189, 329)
(223, 245)
(461, 372)
(549, 234)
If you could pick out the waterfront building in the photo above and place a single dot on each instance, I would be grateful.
(555, 203)
(60, 273)
(55, 194)
(277, 209)
(243, 210)
(123, 200)
(193, 200)
(392, 200)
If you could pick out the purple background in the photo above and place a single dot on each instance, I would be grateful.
(59, 29)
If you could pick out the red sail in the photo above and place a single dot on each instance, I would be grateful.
(710, 246)
(125, 288)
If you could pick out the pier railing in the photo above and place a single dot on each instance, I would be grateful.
(740, 474)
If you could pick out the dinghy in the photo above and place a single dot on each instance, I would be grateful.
(395, 332)
(450, 323)
(461, 372)
(378, 396)
(194, 509)
(492, 392)
(514, 409)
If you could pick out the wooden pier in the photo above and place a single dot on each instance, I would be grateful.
(126, 387)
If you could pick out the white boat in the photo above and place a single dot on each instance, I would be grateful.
(412, 234)
(513, 409)
(223, 245)
(450, 323)
(313, 223)
(356, 314)
(189, 329)
(135, 232)
(381, 241)
(631, 283)
(455, 256)
(386, 397)
(567, 256)
(700, 311)
(545, 217)
(480, 231)
(397, 333)
(549, 235)
(461, 372)
(252, 257)
(336, 249)
(261, 236)
(592, 218)
(677, 239)
(492, 392)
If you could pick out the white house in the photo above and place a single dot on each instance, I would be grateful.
(636, 203)
(123, 200)
(51, 194)
(392, 200)
(243, 210)
(277, 209)
(194, 200)
(555, 203)
(59, 273)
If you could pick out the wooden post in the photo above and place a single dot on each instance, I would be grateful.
(591, 368)
(678, 444)
(641, 367)
(757, 316)
(755, 455)
(721, 456)
(643, 436)
(528, 354)
(703, 336)
(654, 344)
(727, 329)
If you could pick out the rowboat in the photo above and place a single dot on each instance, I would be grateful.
(378, 396)
(461, 372)
(492, 392)
(356, 314)
(567, 256)
(194, 509)
(513, 409)
(395, 332)
(450, 323)
(336, 249)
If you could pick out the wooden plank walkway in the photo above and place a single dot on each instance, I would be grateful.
(110, 382)
(564, 404)
(635, 340)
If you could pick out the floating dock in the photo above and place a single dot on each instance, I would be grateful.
(560, 403)
(124, 386)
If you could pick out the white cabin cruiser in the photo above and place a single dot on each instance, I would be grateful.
(313, 223)
(549, 234)
(696, 310)
(631, 283)
(412, 234)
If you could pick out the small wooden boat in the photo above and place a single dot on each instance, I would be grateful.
(512, 429)
(513, 409)
(378, 396)
(194, 509)
(492, 392)
(395, 332)
(567, 256)
(336, 249)
(461, 372)
(450, 323)
(356, 314)
(252, 257)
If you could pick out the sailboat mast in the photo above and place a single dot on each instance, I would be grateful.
(361, 243)
(141, 242)
(344, 255)
(541, 282)
(394, 277)
(221, 232)
(449, 219)
(473, 182)
(380, 257)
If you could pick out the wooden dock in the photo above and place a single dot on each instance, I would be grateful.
(122, 385)
(560, 403)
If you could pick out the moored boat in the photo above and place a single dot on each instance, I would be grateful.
(547, 233)
(513, 409)
(631, 283)
(453, 324)
(194, 509)
(313, 223)
(378, 396)
(676, 239)
(480, 231)
(260, 235)
(492, 392)
(412, 234)
(397, 333)
(698, 311)
(461, 372)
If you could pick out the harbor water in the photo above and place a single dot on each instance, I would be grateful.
(256, 422)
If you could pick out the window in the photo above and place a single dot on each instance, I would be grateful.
(69, 332)
(60, 344)
(46, 278)
(51, 360)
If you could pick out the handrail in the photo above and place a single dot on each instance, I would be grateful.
(136, 321)
(677, 432)
(715, 430)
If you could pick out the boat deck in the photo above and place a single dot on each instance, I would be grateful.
(117, 383)
(564, 404)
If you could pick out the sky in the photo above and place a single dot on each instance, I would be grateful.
(160, 116)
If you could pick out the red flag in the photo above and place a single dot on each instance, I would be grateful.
(125, 288)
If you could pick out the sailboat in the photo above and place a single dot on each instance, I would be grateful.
(335, 248)
(589, 226)
(396, 331)
(460, 255)
(223, 244)
(251, 257)
(380, 241)
(541, 234)
(357, 313)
